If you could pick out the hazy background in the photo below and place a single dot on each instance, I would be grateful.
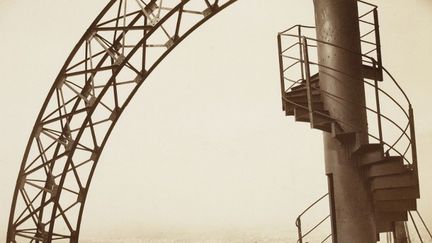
(204, 147)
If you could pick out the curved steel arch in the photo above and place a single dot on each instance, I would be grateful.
(112, 60)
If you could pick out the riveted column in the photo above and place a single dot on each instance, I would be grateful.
(341, 80)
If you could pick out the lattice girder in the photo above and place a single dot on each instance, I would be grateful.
(112, 60)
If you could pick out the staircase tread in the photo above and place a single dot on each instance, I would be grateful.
(395, 205)
(387, 167)
(290, 106)
(407, 179)
(401, 193)
(384, 226)
(314, 81)
(370, 72)
(323, 127)
(391, 216)
(368, 147)
(303, 89)
(302, 93)
(319, 118)
(382, 160)
(304, 99)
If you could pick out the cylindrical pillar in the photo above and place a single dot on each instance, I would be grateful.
(343, 94)
(352, 210)
(340, 60)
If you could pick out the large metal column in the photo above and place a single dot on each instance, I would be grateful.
(343, 94)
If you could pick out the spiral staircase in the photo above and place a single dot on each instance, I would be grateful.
(388, 163)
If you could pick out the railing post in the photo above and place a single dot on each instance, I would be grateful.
(301, 52)
(415, 227)
(413, 142)
(281, 70)
(424, 224)
(299, 230)
(378, 41)
(308, 81)
(332, 207)
(378, 105)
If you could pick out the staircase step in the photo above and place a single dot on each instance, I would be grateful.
(321, 122)
(315, 78)
(302, 85)
(391, 216)
(403, 193)
(302, 88)
(384, 226)
(302, 92)
(372, 73)
(289, 112)
(396, 205)
(339, 133)
(385, 168)
(288, 108)
(406, 179)
(324, 127)
(368, 154)
(303, 115)
(314, 83)
(316, 105)
(304, 99)
(385, 159)
(368, 147)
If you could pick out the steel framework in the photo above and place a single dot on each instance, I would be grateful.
(112, 60)
(387, 161)
(121, 48)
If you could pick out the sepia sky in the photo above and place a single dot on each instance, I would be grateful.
(204, 146)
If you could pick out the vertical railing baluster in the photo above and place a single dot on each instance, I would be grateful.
(424, 224)
(378, 110)
(308, 81)
(378, 42)
(301, 52)
(415, 227)
(413, 143)
(281, 70)
(299, 230)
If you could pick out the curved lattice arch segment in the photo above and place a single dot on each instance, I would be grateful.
(112, 60)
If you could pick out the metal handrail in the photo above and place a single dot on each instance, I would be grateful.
(315, 227)
(370, 4)
(424, 224)
(301, 42)
(418, 232)
(379, 90)
(404, 131)
(390, 146)
(313, 204)
(298, 220)
(325, 239)
(296, 26)
(416, 227)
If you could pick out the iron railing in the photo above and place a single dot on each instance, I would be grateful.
(369, 35)
(298, 61)
(293, 72)
(301, 236)
(303, 65)
(420, 233)
(415, 222)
